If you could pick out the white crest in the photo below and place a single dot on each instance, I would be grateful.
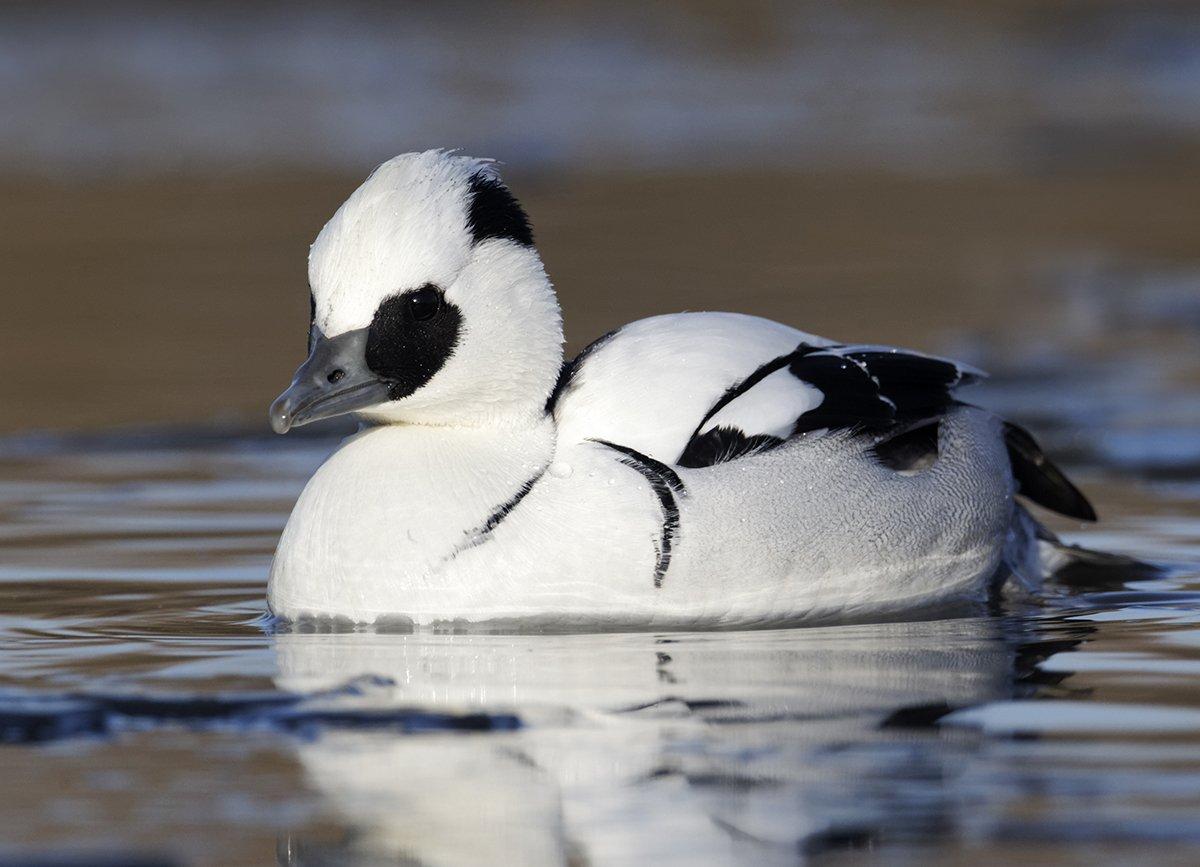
(405, 226)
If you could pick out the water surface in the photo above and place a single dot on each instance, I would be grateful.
(1011, 183)
(149, 707)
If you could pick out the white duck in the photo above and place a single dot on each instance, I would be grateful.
(691, 470)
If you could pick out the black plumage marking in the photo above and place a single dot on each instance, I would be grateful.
(503, 511)
(916, 384)
(482, 533)
(1040, 480)
(648, 466)
(406, 351)
(665, 483)
(851, 397)
(734, 392)
(703, 450)
(723, 443)
(570, 369)
(874, 389)
(494, 212)
(862, 389)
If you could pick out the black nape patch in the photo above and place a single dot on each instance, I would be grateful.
(494, 212)
(724, 444)
(407, 351)
(665, 483)
(569, 369)
(1040, 480)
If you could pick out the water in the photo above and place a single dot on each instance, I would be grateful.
(1010, 183)
(935, 88)
(150, 708)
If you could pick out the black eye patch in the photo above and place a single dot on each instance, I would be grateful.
(411, 337)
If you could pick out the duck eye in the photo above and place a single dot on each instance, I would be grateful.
(424, 303)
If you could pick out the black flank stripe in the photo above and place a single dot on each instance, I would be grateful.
(665, 483)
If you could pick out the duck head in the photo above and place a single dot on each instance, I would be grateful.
(430, 304)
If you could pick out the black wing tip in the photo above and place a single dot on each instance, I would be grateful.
(1039, 479)
(1086, 511)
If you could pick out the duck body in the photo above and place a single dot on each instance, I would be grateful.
(701, 470)
(545, 525)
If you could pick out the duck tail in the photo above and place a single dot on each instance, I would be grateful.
(1079, 568)
(1033, 554)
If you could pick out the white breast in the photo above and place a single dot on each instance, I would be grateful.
(389, 507)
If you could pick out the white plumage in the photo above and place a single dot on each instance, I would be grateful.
(694, 470)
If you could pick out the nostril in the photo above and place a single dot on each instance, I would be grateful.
(336, 375)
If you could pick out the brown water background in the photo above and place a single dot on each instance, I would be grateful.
(915, 173)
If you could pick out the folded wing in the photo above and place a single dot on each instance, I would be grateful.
(696, 390)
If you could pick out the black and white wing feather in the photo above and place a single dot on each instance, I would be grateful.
(825, 388)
